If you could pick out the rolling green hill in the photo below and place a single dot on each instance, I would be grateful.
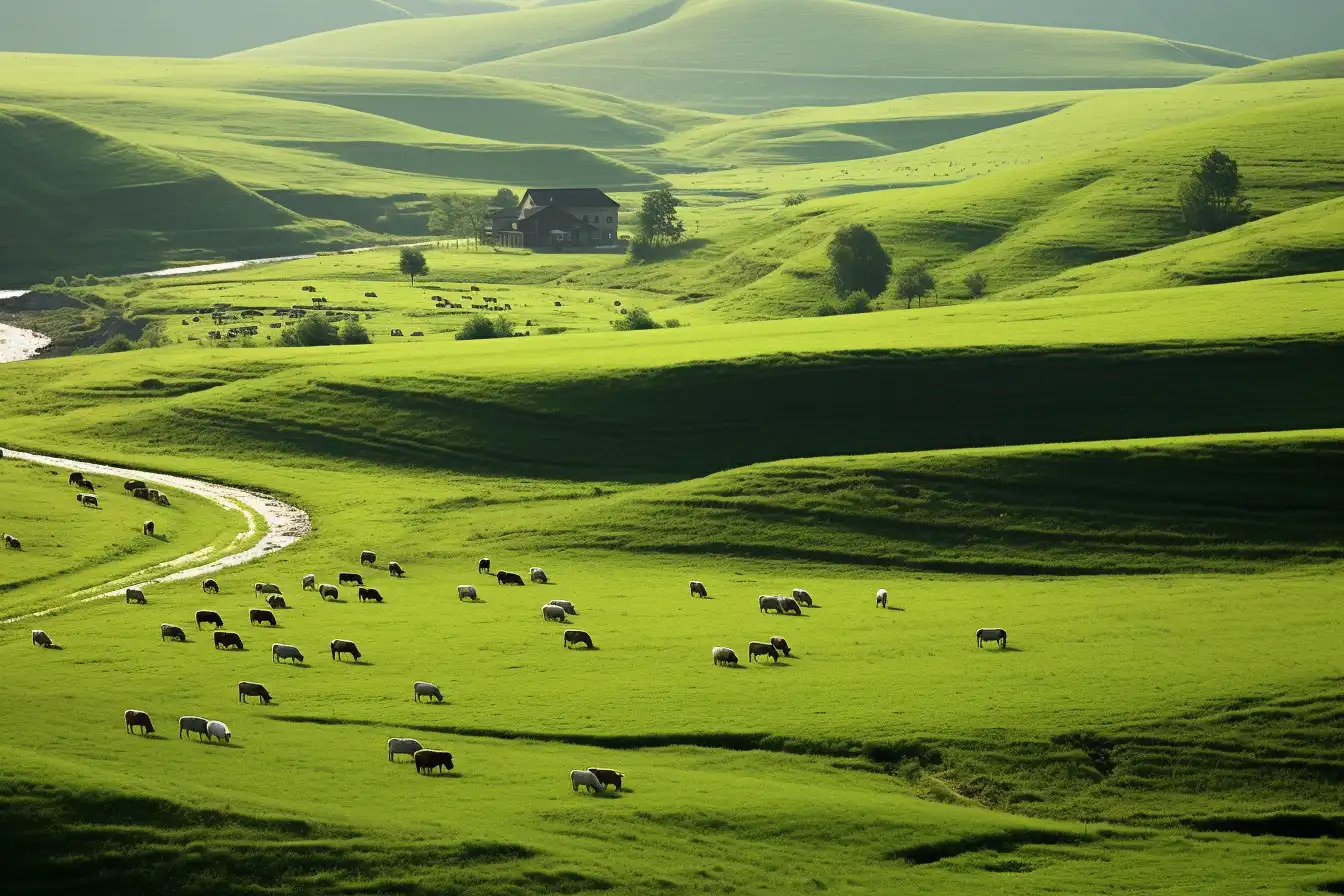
(80, 201)
(1298, 68)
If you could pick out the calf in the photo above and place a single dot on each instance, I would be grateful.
(148, 528)
(41, 638)
(698, 590)
(210, 586)
(483, 566)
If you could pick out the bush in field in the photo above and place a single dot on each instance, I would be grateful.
(1211, 199)
(858, 261)
(976, 284)
(794, 199)
(354, 333)
(118, 343)
(637, 319)
(313, 330)
(478, 326)
(857, 302)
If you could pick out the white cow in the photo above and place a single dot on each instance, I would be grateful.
(425, 689)
(538, 575)
(218, 730)
(581, 777)
(403, 745)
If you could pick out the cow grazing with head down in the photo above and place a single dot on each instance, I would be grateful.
(285, 652)
(483, 566)
(551, 613)
(328, 591)
(349, 578)
(252, 689)
(210, 586)
(310, 582)
(402, 746)
(698, 590)
(167, 631)
(768, 602)
(991, 635)
(370, 594)
(138, 719)
(781, 645)
(228, 640)
(209, 616)
(882, 598)
(41, 638)
(76, 479)
(428, 760)
(262, 588)
(802, 597)
(276, 602)
(724, 656)
(261, 617)
(133, 484)
(12, 543)
(368, 557)
(395, 568)
(789, 605)
(87, 501)
(148, 528)
(217, 731)
(757, 648)
(192, 725)
(575, 636)
(608, 777)
(135, 595)
(339, 648)
(426, 690)
(509, 578)
(538, 575)
(584, 778)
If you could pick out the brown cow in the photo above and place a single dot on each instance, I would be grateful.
(137, 719)
(252, 689)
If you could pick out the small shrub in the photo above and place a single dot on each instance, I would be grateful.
(794, 199)
(309, 332)
(637, 319)
(552, 331)
(59, 281)
(976, 283)
(479, 326)
(118, 343)
(857, 302)
(354, 333)
(672, 323)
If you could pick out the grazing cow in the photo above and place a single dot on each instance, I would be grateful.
(148, 528)
(430, 691)
(428, 760)
(252, 689)
(370, 594)
(141, 493)
(538, 575)
(581, 777)
(228, 640)
(789, 605)
(368, 557)
(564, 605)
(12, 542)
(781, 645)
(41, 638)
(88, 484)
(209, 616)
(88, 500)
(210, 586)
(76, 478)
(339, 648)
(133, 484)
(882, 598)
(802, 597)
(135, 594)
(328, 591)
(350, 578)
(724, 656)
(276, 602)
(217, 731)
(483, 566)
(552, 614)
(405, 746)
(509, 578)
(990, 635)
(770, 602)
(167, 631)
(310, 582)
(575, 636)
(192, 725)
(266, 588)
(608, 777)
(395, 568)
(756, 648)
(285, 652)
(153, 494)
(370, 295)
(698, 590)
(162, 501)
(137, 719)
(466, 592)
(261, 617)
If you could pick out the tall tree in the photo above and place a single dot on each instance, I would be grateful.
(915, 283)
(657, 222)
(504, 198)
(459, 215)
(858, 262)
(1211, 199)
(413, 263)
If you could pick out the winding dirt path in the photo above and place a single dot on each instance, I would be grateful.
(281, 525)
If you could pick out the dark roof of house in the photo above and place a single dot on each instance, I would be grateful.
(557, 216)
(581, 197)
(511, 212)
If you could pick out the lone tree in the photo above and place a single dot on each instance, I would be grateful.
(858, 262)
(915, 283)
(413, 263)
(976, 283)
(1211, 199)
(657, 222)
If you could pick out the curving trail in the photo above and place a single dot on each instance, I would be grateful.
(281, 524)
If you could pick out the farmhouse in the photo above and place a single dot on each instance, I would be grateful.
(553, 219)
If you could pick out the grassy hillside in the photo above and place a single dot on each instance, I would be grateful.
(1298, 68)
(81, 201)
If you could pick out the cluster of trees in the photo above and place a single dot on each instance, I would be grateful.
(861, 270)
(639, 319)
(479, 326)
(464, 215)
(319, 330)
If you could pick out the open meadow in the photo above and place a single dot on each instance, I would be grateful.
(1016, 572)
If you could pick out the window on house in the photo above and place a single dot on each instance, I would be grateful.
(608, 219)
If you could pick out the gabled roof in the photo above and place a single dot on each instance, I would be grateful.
(580, 197)
(556, 216)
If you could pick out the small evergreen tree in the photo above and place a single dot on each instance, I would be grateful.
(413, 263)
(1211, 199)
(858, 262)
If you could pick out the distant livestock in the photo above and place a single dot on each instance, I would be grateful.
(466, 592)
(581, 777)
(266, 588)
(261, 617)
(882, 598)
(138, 719)
(509, 578)
(210, 616)
(698, 590)
(328, 591)
(756, 648)
(538, 575)
(368, 557)
(76, 479)
(218, 731)
(339, 648)
(990, 635)
(427, 690)
(575, 636)
(167, 631)
(41, 638)
(135, 595)
(142, 493)
(162, 501)
(285, 652)
(192, 725)
(370, 295)
(553, 614)
(770, 602)
(608, 777)
(789, 605)
(781, 645)
(724, 656)
(350, 578)
(210, 586)
(370, 594)
(87, 500)
(395, 568)
(802, 597)
(133, 484)
(405, 746)
(564, 605)
(148, 528)
(12, 543)
(483, 566)
(310, 582)
(252, 689)
(276, 602)
(428, 760)
(228, 640)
